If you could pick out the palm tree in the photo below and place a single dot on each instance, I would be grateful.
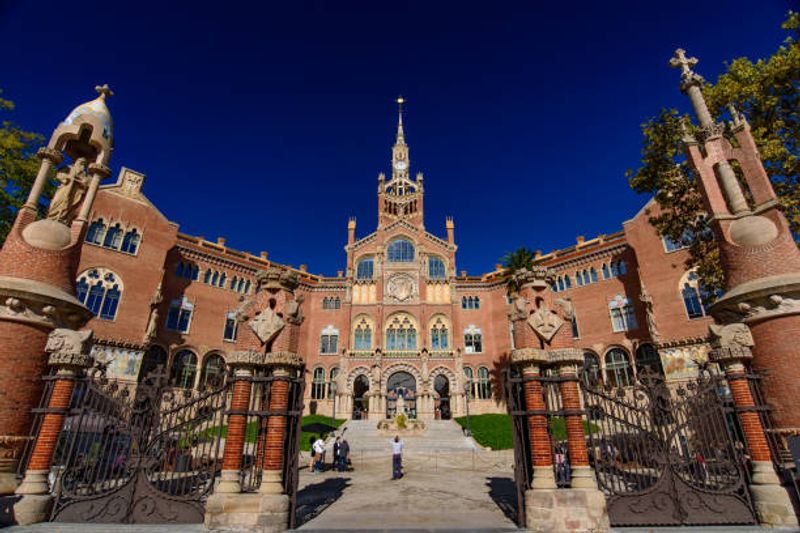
(517, 260)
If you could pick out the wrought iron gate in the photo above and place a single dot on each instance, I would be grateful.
(667, 455)
(145, 453)
(523, 467)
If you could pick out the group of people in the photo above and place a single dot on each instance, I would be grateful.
(341, 455)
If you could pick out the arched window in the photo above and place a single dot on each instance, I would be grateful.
(213, 374)
(222, 279)
(473, 340)
(130, 243)
(690, 292)
(484, 385)
(618, 368)
(234, 281)
(560, 283)
(362, 335)
(240, 288)
(332, 375)
(231, 327)
(207, 276)
(470, 380)
(113, 237)
(606, 272)
(436, 268)
(593, 274)
(184, 369)
(647, 358)
(215, 278)
(96, 232)
(401, 333)
(329, 341)
(440, 338)
(400, 251)
(567, 282)
(100, 290)
(318, 384)
(618, 268)
(247, 287)
(578, 278)
(591, 368)
(365, 268)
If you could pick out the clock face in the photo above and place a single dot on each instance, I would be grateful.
(400, 165)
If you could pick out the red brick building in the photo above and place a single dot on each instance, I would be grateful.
(399, 320)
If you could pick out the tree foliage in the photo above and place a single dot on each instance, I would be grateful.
(18, 168)
(516, 260)
(767, 91)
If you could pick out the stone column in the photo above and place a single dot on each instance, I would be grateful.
(69, 354)
(731, 349)
(241, 365)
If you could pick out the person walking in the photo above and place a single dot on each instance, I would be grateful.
(319, 450)
(344, 455)
(397, 457)
(337, 449)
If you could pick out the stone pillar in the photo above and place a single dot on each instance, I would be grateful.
(240, 364)
(69, 354)
(272, 479)
(732, 350)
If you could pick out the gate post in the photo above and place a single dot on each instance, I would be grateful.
(69, 354)
(567, 361)
(241, 363)
(272, 478)
(731, 350)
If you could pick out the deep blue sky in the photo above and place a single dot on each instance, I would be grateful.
(268, 123)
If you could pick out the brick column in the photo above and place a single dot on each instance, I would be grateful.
(567, 361)
(230, 477)
(732, 350)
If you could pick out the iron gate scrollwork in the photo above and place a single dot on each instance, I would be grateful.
(523, 467)
(138, 453)
(667, 455)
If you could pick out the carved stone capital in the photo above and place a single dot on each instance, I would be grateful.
(518, 309)
(100, 170)
(566, 356)
(726, 355)
(245, 358)
(39, 304)
(52, 154)
(69, 348)
(274, 279)
(759, 300)
(284, 359)
(293, 312)
(536, 276)
(523, 356)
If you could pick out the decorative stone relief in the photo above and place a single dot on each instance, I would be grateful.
(274, 278)
(529, 355)
(68, 347)
(290, 359)
(266, 325)
(775, 305)
(294, 315)
(518, 309)
(245, 358)
(730, 342)
(545, 323)
(567, 309)
(401, 288)
(566, 356)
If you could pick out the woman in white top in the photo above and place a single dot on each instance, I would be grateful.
(397, 457)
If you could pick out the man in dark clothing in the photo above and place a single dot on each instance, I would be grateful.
(344, 453)
(337, 450)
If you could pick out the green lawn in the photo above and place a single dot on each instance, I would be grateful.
(305, 438)
(251, 433)
(494, 430)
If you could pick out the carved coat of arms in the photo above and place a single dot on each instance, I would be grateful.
(266, 325)
(545, 323)
(401, 287)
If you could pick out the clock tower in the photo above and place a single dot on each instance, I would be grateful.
(400, 197)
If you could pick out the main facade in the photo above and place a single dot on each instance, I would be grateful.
(399, 321)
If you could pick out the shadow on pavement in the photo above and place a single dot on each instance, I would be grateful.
(503, 492)
(315, 498)
(7, 510)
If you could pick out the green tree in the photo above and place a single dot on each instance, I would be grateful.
(768, 92)
(18, 168)
(516, 260)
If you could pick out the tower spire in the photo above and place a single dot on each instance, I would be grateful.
(400, 135)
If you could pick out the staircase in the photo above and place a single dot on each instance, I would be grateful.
(440, 436)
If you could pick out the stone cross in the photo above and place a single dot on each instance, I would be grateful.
(679, 60)
(104, 91)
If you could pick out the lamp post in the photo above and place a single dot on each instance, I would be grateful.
(333, 412)
(467, 391)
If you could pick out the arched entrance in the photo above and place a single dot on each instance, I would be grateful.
(442, 404)
(401, 395)
(360, 400)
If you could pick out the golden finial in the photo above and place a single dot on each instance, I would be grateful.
(400, 101)
(104, 91)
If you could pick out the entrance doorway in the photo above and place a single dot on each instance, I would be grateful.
(401, 395)
(360, 400)
(441, 385)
